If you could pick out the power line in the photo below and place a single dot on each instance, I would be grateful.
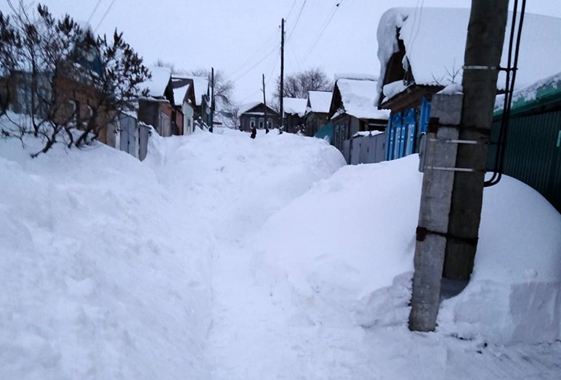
(247, 61)
(291, 9)
(326, 24)
(94, 10)
(104, 15)
(297, 19)
(255, 65)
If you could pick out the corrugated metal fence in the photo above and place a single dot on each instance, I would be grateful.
(368, 149)
(533, 153)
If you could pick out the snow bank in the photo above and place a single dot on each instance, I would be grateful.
(98, 278)
(350, 254)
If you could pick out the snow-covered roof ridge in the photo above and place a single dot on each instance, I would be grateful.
(436, 57)
(359, 97)
(248, 106)
(159, 81)
(320, 101)
(295, 106)
(357, 76)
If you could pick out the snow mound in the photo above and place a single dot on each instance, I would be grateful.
(349, 255)
(98, 280)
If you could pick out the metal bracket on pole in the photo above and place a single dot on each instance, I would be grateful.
(455, 141)
(464, 170)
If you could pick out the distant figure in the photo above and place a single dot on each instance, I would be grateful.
(266, 130)
(253, 132)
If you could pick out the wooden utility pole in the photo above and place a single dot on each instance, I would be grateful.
(455, 158)
(265, 103)
(281, 89)
(212, 100)
(484, 48)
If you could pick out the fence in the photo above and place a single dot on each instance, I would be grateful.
(366, 148)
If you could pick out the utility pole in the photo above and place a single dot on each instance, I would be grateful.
(455, 159)
(484, 48)
(265, 103)
(211, 100)
(281, 90)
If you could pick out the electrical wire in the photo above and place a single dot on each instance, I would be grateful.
(255, 65)
(256, 53)
(94, 10)
(324, 27)
(297, 20)
(104, 15)
(509, 92)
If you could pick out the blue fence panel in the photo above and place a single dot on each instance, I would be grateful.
(409, 122)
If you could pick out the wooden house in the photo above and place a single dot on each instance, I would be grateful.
(157, 108)
(422, 52)
(317, 111)
(294, 110)
(185, 102)
(252, 115)
(353, 109)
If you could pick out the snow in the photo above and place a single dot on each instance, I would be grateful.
(320, 101)
(392, 89)
(200, 85)
(157, 84)
(179, 94)
(356, 76)
(248, 106)
(533, 92)
(368, 133)
(451, 89)
(360, 98)
(226, 258)
(295, 106)
(435, 41)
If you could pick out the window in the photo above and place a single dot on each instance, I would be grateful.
(252, 123)
(261, 123)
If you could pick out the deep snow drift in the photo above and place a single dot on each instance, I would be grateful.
(223, 257)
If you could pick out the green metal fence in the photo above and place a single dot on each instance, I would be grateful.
(533, 152)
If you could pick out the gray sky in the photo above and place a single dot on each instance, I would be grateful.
(242, 37)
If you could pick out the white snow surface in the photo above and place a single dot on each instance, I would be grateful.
(225, 258)
(200, 86)
(157, 84)
(295, 106)
(179, 94)
(435, 40)
(360, 97)
(319, 101)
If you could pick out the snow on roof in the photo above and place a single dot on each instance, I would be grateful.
(538, 91)
(179, 94)
(248, 106)
(357, 76)
(360, 97)
(435, 40)
(320, 101)
(159, 81)
(200, 86)
(295, 106)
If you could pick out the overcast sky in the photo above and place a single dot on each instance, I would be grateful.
(242, 37)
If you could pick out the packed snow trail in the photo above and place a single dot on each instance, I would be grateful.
(225, 258)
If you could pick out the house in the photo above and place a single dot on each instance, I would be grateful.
(157, 108)
(317, 111)
(294, 110)
(185, 101)
(252, 115)
(353, 109)
(422, 51)
(533, 141)
(201, 87)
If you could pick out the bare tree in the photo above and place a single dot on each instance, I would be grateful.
(69, 82)
(298, 85)
(223, 88)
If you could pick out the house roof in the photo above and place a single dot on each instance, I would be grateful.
(158, 83)
(201, 87)
(541, 93)
(295, 106)
(179, 94)
(319, 101)
(435, 41)
(244, 109)
(359, 98)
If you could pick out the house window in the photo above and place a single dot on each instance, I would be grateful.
(261, 123)
(252, 123)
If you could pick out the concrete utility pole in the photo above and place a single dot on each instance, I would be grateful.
(211, 100)
(484, 48)
(265, 103)
(281, 90)
(455, 158)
